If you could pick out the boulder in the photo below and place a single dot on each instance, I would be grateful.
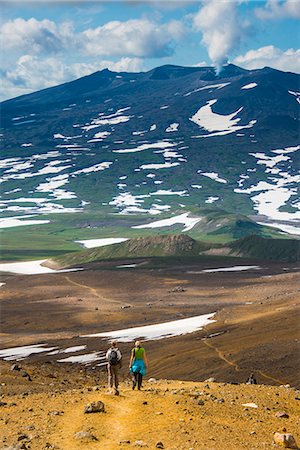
(152, 380)
(94, 407)
(85, 436)
(286, 440)
(139, 443)
(282, 415)
(159, 445)
(210, 380)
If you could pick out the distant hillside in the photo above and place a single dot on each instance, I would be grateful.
(138, 143)
(180, 245)
(151, 246)
(287, 250)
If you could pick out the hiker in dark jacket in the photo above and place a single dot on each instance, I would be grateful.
(114, 360)
(251, 379)
(138, 364)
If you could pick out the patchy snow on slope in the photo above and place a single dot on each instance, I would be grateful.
(218, 124)
(188, 222)
(211, 199)
(290, 229)
(19, 353)
(95, 168)
(26, 145)
(213, 176)
(249, 86)
(93, 243)
(172, 127)
(18, 221)
(139, 148)
(282, 151)
(165, 165)
(53, 183)
(296, 94)
(84, 359)
(125, 199)
(160, 330)
(209, 86)
(277, 191)
(153, 127)
(169, 192)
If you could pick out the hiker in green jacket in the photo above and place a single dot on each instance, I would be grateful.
(138, 365)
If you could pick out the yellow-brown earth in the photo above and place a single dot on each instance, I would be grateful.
(256, 330)
(181, 415)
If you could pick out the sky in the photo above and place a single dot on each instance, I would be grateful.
(44, 43)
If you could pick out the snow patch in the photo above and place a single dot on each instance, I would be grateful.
(160, 330)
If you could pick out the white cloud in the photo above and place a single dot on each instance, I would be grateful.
(136, 38)
(221, 27)
(35, 36)
(132, 38)
(288, 61)
(275, 9)
(201, 64)
(28, 74)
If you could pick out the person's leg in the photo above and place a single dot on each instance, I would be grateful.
(116, 379)
(110, 376)
(134, 379)
(139, 380)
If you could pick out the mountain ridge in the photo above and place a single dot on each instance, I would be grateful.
(135, 145)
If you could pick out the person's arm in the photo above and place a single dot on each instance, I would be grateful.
(131, 359)
(146, 359)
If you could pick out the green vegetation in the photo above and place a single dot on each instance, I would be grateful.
(287, 250)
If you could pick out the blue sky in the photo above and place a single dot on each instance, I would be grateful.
(45, 43)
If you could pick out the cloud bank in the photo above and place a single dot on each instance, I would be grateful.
(287, 61)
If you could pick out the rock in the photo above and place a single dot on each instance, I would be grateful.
(55, 413)
(21, 437)
(210, 380)
(282, 415)
(85, 436)
(15, 367)
(199, 402)
(159, 445)
(3, 403)
(159, 413)
(96, 388)
(26, 375)
(152, 380)
(220, 400)
(124, 441)
(145, 403)
(139, 443)
(285, 440)
(178, 289)
(94, 407)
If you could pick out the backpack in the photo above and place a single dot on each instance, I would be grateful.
(113, 357)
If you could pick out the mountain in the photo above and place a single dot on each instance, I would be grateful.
(155, 143)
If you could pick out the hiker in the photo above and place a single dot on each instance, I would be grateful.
(138, 364)
(114, 359)
(251, 379)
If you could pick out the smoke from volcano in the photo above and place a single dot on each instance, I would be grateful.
(222, 29)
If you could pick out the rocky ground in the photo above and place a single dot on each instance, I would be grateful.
(173, 415)
(256, 330)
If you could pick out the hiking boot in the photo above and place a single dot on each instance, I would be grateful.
(133, 384)
(116, 392)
